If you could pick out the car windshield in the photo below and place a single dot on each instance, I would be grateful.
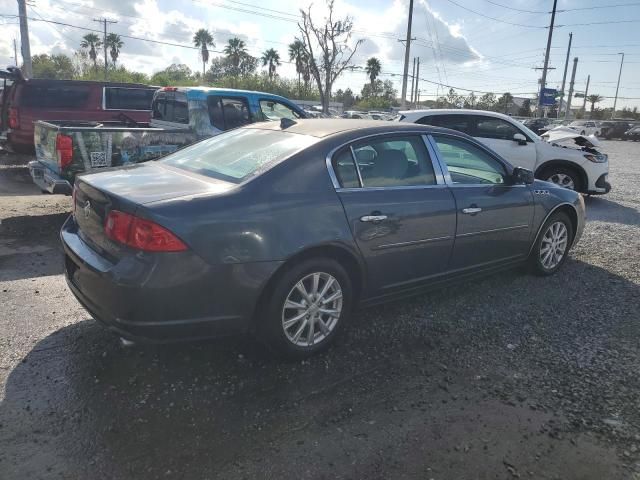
(237, 155)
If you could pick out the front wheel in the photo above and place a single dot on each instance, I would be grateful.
(552, 245)
(308, 306)
(564, 177)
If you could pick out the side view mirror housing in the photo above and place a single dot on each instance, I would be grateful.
(520, 138)
(522, 176)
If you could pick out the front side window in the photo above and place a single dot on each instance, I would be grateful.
(238, 155)
(395, 161)
(226, 113)
(467, 163)
(273, 110)
(496, 128)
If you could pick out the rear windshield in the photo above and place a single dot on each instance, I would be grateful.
(237, 155)
(47, 96)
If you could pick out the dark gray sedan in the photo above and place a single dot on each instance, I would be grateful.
(282, 229)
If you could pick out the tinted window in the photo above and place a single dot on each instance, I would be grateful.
(158, 106)
(45, 96)
(240, 154)
(170, 107)
(461, 123)
(396, 161)
(272, 110)
(345, 169)
(120, 98)
(228, 113)
(469, 164)
(487, 127)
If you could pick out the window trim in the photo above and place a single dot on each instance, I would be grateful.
(437, 170)
(104, 100)
(447, 176)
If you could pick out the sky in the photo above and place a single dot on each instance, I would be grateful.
(471, 45)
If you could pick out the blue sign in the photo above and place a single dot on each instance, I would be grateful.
(548, 97)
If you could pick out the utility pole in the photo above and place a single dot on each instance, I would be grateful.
(104, 22)
(15, 52)
(613, 114)
(417, 82)
(543, 83)
(413, 78)
(564, 76)
(586, 92)
(573, 79)
(407, 48)
(27, 68)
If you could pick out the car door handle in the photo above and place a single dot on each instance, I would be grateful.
(471, 210)
(373, 218)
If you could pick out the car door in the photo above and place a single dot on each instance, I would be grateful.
(497, 134)
(494, 216)
(401, 212)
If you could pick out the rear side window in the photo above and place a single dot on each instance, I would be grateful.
(171, 107)
(345, 169)
(461, 123)
(226, 113)
(48, 96)
(122, 98)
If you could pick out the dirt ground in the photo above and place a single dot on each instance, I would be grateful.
(512, 376)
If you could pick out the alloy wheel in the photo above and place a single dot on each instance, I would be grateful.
(563, 180)
(554, 245)
(312, 309)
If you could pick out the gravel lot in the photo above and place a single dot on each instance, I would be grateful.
(513, 376)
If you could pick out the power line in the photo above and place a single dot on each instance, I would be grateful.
(515, 9)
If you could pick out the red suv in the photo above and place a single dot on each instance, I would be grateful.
(23, 101)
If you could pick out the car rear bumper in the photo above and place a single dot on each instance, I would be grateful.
(163, 297)
(48, 180)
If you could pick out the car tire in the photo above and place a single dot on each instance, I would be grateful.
(315, 329)
(563, 176)
(556, 233)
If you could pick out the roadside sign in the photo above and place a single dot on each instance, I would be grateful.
(548, 96)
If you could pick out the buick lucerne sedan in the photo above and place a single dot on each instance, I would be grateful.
(282, 229)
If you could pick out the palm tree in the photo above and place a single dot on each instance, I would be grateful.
(235, 50)
(114, 44)
(593, 99)
(298, 54)
(92, 42)
(202, 40)
(373, 69)
(272, 58)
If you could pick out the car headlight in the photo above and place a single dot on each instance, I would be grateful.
(599, 158)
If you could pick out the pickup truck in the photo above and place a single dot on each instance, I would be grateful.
(179, 116)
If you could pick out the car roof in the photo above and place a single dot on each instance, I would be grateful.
(323, 127)
(227, 90)
(453, 111)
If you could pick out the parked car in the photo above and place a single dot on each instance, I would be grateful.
(633, 134)
(180, 116)
(356, 115)
(582, 168)
(614, 129)
(585, 127)
(282, 228)
(32, 99)
(537, 125)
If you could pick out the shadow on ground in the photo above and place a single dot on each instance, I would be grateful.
(472, 381)
(605, 210)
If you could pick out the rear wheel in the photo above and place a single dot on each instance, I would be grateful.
(564, 177)
(307, 307)
(552, 245)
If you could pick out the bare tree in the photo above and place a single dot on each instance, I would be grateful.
(327, 48)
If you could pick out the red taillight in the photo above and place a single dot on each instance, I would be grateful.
(170, 89)
(64, 149)
(141, 234)
(14, 119)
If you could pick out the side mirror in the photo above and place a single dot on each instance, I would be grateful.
(520, 138)
(522, 176)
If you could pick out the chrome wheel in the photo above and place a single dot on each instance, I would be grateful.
(554, 245)
(563, 180)
(312, 309)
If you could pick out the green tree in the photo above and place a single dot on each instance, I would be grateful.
(236, 52)
(298, 55)
(486, 101)
(525, 109)
(53, 66)
(504, 102)
(470, 101)
(271, 58)
(203, 40)
(114, 44)
(174, 74)
(593, 99)
(373, 69)
(453, 99)
(92, 43)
